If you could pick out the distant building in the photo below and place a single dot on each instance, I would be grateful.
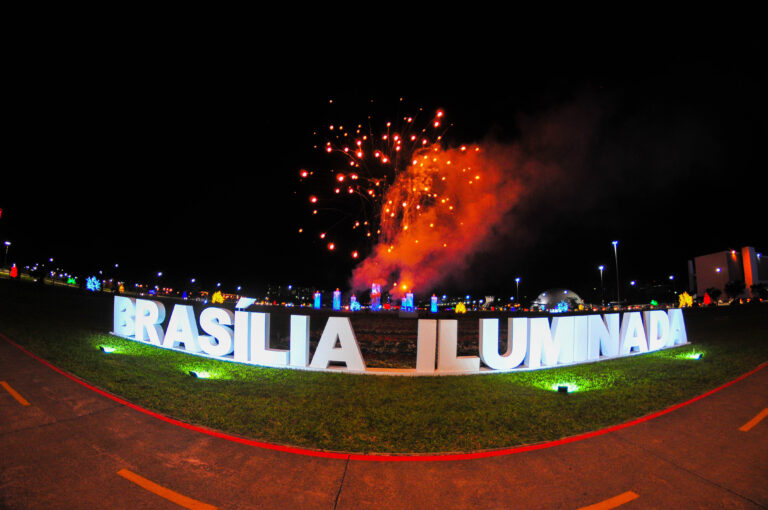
(560, 300)
(717, 269)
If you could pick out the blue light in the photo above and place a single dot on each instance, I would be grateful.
(409, 301)
(354, 305)
(375, 297)
(433, 304)
(337, 300)
(317, 302)
(93, 284)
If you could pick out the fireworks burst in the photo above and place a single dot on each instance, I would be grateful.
(367, 159)
(422, 208)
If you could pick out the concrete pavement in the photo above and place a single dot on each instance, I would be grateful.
(74, 448)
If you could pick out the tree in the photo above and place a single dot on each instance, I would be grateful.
(759, 291)
(714, 293)
(735, 288)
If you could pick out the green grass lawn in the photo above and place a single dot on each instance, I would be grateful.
(356, 413)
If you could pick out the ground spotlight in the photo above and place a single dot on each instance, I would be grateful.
(564, 387)
(199, 375)
(104, 348)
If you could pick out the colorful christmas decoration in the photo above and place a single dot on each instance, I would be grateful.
(93, 284)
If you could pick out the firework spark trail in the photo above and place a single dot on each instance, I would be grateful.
(370, 160)
(440, 211)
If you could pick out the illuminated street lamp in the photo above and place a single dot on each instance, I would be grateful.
(602, 289)
(616, 257)
(517, 291)
(5, 257)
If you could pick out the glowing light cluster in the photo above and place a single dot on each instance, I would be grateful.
(93, 284)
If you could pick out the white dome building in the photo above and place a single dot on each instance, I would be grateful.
(557, 300)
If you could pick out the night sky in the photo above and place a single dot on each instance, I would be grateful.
(188, 164)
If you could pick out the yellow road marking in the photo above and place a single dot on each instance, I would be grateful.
(161, 491)
(754, 421)
(14, 393)
(612, 502)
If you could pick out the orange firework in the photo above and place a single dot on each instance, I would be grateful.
(439, 211)
(373, 159)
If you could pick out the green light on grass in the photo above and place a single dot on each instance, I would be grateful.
(106, 349)
(691, 355)
(565, 387)
(199, 374)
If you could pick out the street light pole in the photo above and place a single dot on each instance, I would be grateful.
(5, 257)
(616, 257)
(602, 289)
(517, 291)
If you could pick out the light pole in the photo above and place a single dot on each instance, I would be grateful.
(602, 289)
(616, 257)
(517, 290)
(5, 257)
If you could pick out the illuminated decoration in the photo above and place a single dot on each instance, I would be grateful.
(317, 302)
(375, 297)
(685, 300)
(14, 271)
(336, 300)
(654, 302)
(557, 300)
(460, 308)
(353, 304)
(404, 304)
(707, 300)
(93, 284)
(409, 301)
(217, 297)
(533, 342)
(121, 289)
(433, 304)
(72, 281)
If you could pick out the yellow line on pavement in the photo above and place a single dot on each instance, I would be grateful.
(14, 393)
(754, 421)
(612, 502)
(161, 491)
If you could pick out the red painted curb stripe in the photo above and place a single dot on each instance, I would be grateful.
(384, 457)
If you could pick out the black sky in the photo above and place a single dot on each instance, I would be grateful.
(187, 163)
